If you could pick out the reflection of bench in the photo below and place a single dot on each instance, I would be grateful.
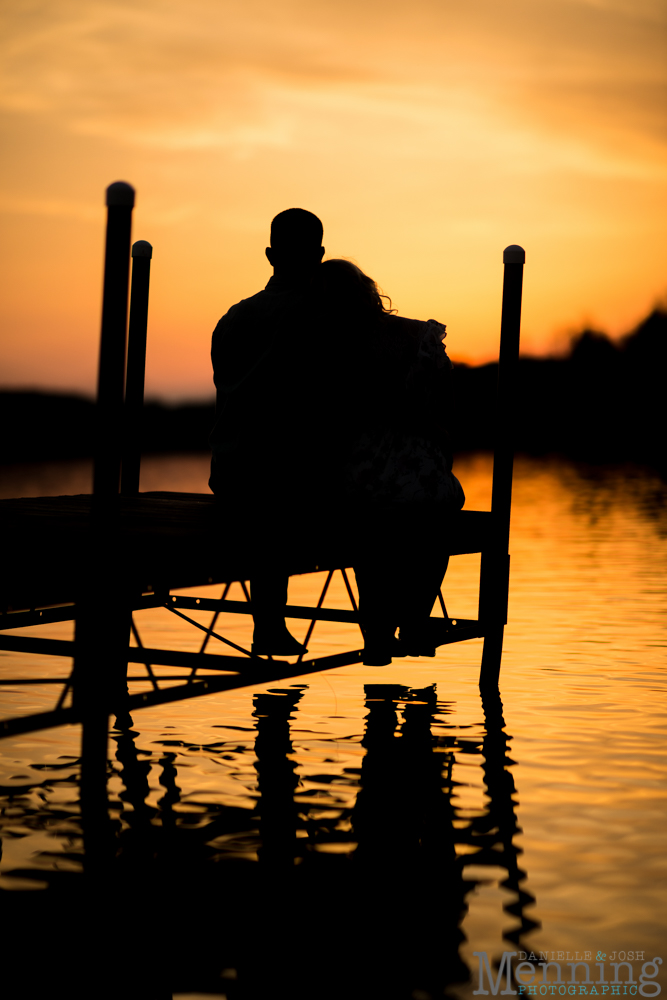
(96, 559)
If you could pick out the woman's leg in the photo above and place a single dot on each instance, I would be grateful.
(424, 559)
(402, 560)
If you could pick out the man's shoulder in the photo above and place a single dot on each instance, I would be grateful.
(270, 305)
(253, 301)
(247, 307)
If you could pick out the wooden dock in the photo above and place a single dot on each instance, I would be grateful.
(163, 542)
(96, 559)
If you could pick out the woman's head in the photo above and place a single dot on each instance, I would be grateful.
(345, 286)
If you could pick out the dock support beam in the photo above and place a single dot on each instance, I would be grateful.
(494, 578)
(101, 626)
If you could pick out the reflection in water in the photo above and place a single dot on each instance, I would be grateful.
(409, 840)
(386, 824)
(381, 914)
(277, 780)
(498, 826)
(137, 842)
(381, 919)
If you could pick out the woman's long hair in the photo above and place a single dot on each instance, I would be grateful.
(346, 289)
(366, 352)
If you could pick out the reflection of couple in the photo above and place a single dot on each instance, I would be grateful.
(331, 412)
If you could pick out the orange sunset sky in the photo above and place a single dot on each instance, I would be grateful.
(426, 135)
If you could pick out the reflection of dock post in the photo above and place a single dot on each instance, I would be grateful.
(494, 581)
(101, 626)
(502, 817)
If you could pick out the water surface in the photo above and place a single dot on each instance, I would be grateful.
(392, 798)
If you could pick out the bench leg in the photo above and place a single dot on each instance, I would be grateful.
(493, 594)
(93, 791)
(491, 657)
(91, 702)
(100, 687)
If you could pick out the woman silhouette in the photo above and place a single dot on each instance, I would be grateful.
(395, 461)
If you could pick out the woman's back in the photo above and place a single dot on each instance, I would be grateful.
(392, 375)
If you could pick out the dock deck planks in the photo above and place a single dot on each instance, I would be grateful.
(166, 541)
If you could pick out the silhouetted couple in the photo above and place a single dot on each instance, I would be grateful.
(330, 423)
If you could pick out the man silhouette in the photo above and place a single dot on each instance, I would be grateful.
(263, 438)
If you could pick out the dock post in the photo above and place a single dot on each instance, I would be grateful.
(101, 634)
(142, 253)
(494, 577)
(111, 372)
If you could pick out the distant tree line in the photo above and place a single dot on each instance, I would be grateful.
(604, 401)
(39, 426)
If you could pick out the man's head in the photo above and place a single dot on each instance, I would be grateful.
(296, 241)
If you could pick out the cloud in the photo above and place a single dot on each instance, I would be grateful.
(428, 135)
(213, 73)
(51, 207)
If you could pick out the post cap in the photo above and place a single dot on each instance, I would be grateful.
(514, 255)
(120, 193)
(142, 249)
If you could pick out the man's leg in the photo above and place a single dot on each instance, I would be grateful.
(378, 581)
(268, 593)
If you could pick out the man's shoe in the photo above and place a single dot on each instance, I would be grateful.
(276, 642)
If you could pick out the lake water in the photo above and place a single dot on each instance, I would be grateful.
(370, 831)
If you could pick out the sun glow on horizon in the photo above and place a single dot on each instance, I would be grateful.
(426, 139)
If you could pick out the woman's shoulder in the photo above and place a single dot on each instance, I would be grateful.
(401, 325)
(426, 336)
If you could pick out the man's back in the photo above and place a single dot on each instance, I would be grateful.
(260, 368)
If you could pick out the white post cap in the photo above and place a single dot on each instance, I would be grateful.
(142, 249)
(514, 255)
(120, 193)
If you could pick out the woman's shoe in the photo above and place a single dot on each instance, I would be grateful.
(416, 647)
(379, 653)
(424, 638)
